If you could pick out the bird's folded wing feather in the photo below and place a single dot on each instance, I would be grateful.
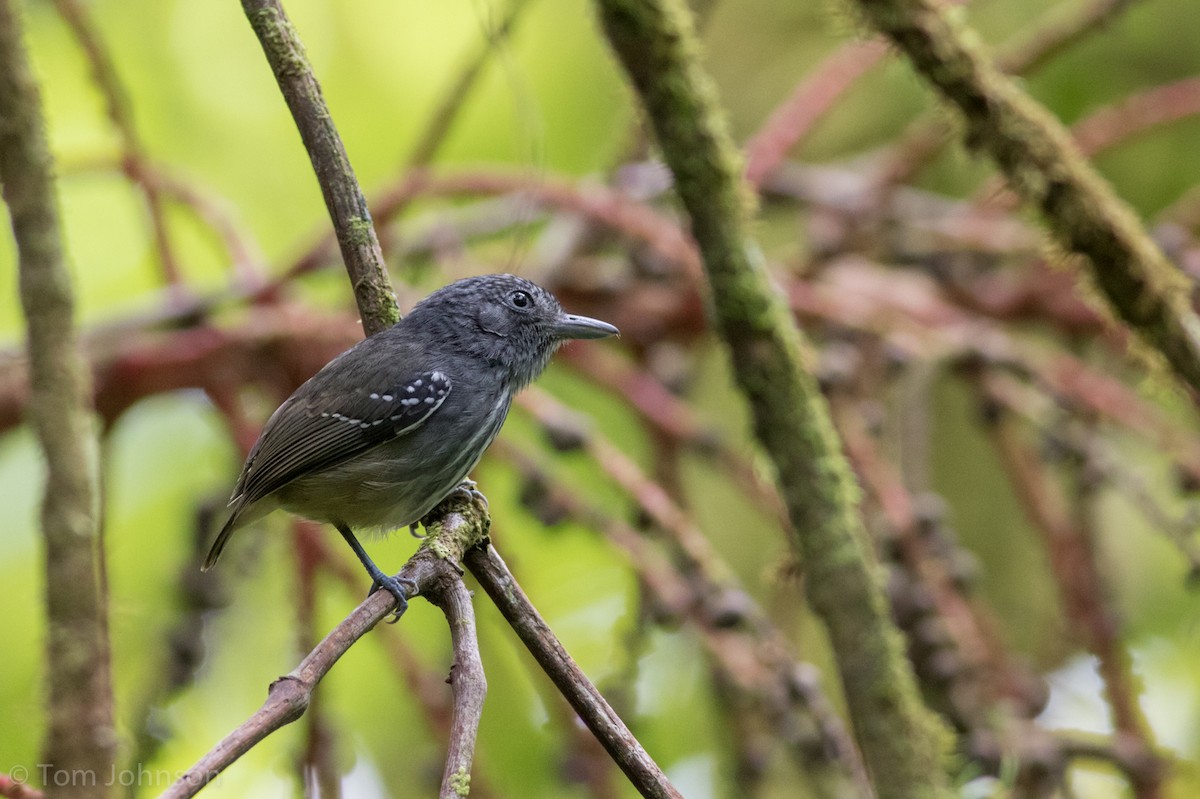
(312, 433)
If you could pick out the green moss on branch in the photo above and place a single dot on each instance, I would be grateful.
(343, 197)
(1036, 154)
(80, 736)
(901, 740)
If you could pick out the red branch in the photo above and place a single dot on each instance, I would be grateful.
(811, 100)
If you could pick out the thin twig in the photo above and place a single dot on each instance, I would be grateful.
(425, 686)
(673, 418)
(796, 117)
(493, 575)
(198, 598)
(453, 99)
(750, 655)
(290, 695)
(460, 523)
(1072, 553)
(469, 685)
(1126, 754)
(245, 256)
(440, 122)
(925, 138)
(135, 162)
(1104, 463)
(614, 209)
(1062, 27)
(1112, 125)
(317, 762)
(983, 678)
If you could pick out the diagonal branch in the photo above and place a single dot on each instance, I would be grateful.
(748, 652)
(459, 524)
(134, 161)
(343, 197)
(493, 575)
(438, 127)
(900, 739)
(1036, 154)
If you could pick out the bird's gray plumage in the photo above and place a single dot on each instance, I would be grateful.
(387, 429)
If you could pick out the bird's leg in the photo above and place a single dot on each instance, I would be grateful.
(394, 585)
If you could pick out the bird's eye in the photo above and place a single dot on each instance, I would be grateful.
(521, 299)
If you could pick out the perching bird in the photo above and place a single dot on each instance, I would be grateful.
(389, 428)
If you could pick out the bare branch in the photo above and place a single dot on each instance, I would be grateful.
(734, 629)
(925, 138)
(493, 575)
(1071, 550)
(133, 157)
(457, 524)
(447, 111)
(424, 684)
(811, 100)
(1061, 28)
(469, 684)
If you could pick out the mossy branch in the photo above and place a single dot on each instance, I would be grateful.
(343, 197)
(901, 740)
(1035, 153)
(377, 304)
(80, 738)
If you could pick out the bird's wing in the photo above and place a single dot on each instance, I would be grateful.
(307, 434)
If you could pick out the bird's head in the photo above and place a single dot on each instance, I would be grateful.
(506, 320)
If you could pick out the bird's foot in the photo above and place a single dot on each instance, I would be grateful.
(467, 488)
(395, 586)
(414, 530)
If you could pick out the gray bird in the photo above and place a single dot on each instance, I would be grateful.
(389, 428)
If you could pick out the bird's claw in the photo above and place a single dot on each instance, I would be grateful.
(395, 586)
(468, 489)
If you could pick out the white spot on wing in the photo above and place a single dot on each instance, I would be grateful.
(437, 383)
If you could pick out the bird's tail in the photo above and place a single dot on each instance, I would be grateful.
(219, 544)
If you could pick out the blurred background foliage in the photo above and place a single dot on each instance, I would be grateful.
(549, 103)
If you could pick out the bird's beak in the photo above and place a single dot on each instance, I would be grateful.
(571, 326)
